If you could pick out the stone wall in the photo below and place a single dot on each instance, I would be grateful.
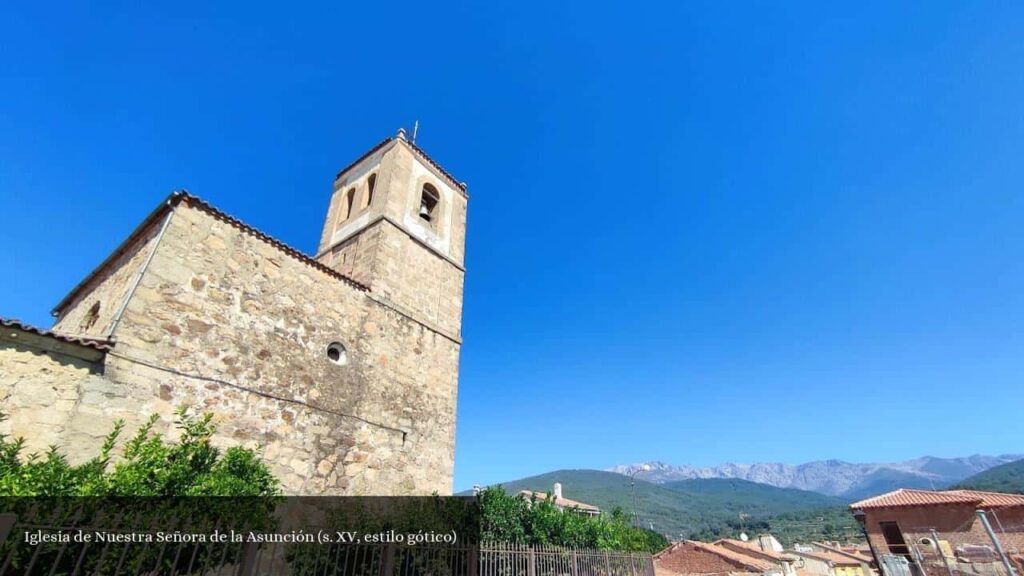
(245, 328)
(47, 391)
(105, 293)
(411, 264)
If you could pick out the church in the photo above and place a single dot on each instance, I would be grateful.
(341, 367)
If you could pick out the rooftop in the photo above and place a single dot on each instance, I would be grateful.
(15, 326)
(561, 502)
(184, 197)
(833, 557)
(753, 549)
(905, 497)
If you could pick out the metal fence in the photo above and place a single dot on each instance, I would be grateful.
(53, 550)
(500, 559)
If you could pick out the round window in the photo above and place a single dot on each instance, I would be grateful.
(337, 354)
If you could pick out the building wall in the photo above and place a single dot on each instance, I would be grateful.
(224, 321)
(957, 525)
(954, 523)
(43, 384)
(849, 571)
(410, 264)
(108, 290)
(817, 566)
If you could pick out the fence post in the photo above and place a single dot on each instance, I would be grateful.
(531, 568)
(607, 564)
(575, 563)
(387, 563)
(247, 563)
(6, 523)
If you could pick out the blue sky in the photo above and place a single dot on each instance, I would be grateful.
(698, 231)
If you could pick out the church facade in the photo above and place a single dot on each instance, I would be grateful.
(342, 367)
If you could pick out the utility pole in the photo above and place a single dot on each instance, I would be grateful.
(632, 486)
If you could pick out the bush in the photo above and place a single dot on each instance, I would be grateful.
(150, 467)
(514, 519)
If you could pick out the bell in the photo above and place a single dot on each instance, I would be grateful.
(424, 212)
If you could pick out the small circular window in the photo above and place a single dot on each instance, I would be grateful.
(337, 354)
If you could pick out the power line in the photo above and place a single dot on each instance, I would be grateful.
(268, 395)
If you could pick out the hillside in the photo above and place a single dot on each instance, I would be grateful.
(704, 508)
(1005, 478)
(834, 477)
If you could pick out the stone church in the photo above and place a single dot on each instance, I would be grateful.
(341, 367)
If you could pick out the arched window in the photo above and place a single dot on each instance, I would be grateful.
(350, 201)
(91, 317)
(371, 183)
(429, 199)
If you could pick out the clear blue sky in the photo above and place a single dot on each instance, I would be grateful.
(699, 232)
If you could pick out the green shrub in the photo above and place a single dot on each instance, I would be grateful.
(514, 519)
(150, 466)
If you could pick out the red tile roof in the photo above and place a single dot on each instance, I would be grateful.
(908, 498)
(752, 549)
(692, 557)
(94, 343)
(183, 196)
(851, 553)
(833, 557)
(993, 499)
(752, 562)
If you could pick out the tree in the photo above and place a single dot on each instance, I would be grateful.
(514, 519)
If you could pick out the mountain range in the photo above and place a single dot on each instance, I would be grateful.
(703, 508)
(708, 508)
(831, 477)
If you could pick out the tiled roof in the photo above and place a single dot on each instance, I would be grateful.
(907, 497)
(184, 196)
(563, 502)
(747, 561)
(95, 343)
(419, 151)
(992, 499)
(851, 553)
(833, 557)
(691, 557)
(753, 549)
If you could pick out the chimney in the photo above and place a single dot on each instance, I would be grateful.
(476, 489)
(558, 490)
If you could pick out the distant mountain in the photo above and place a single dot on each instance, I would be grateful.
(833, 477)
(702, 508)
(1007, 477)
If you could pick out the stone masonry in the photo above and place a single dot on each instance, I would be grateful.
(203, 311)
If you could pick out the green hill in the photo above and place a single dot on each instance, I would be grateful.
(1003, 478)
(705, 508)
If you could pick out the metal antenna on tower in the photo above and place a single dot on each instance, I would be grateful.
(415, 129)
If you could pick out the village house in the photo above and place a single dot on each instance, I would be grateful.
(859, 553)
(943, 533)
(761, 549)
(561, 502)
(825, 563)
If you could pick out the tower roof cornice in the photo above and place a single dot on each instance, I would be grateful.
(392, 140)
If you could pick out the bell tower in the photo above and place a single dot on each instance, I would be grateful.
(397, 223)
